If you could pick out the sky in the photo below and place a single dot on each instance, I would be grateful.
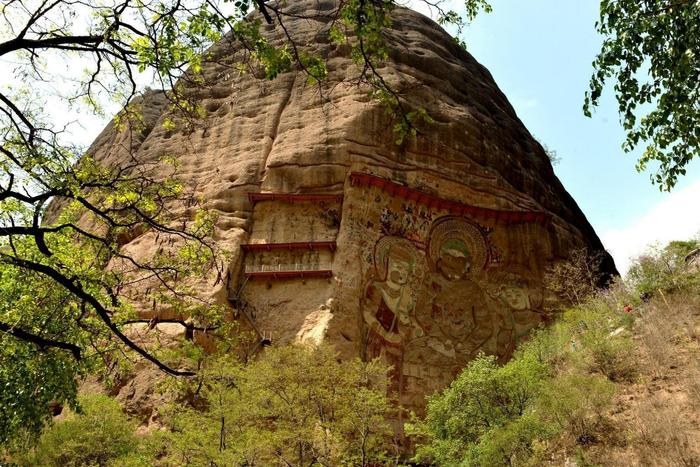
(539, 53)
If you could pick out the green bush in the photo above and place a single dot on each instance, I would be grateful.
(514, 443)
(294, 405)
(98, 436)
(483, 405)
(559, 383)
(575, 403)
(663, 269)
(597, 338)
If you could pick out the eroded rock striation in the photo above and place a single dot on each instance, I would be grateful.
(422, 254)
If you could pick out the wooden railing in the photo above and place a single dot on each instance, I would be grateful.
(326, 245)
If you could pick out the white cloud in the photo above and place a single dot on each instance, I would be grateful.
(676, 217)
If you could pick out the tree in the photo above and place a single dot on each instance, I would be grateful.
(577, 278)
(101, 434)
(663, 269)
(485, 416)
(652, 51)
(68, 285)
(294, 406)
(32, 376)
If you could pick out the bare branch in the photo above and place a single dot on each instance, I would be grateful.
(76, 288)
(41, 342)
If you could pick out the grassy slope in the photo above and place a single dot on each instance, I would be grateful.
(656, 419)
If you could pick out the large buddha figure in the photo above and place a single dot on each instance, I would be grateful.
(454, 311)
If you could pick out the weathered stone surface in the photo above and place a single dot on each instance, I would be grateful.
(436, 249)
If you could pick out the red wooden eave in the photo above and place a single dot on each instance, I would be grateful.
(278, 275)
(454, 207)
(295, 197)
(289, 246)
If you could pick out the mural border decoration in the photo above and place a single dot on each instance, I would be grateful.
(453, 207)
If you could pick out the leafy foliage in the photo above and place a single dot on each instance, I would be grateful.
(575, 402)
(35, 374)
(484, 405)
(664, 269)
(558, 386)
(652, 51)
(101, 434)
(294, 406)
(61, 315)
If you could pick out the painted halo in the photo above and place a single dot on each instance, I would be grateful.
(382, 249)
(451, 228)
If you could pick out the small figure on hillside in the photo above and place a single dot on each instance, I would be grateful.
(628, 309)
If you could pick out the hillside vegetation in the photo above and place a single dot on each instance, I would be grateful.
(615, 380)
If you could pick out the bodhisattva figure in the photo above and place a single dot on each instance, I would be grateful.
(458, 318)
(389, 303)
(517, 298)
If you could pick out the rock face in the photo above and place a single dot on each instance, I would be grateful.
(421, 254)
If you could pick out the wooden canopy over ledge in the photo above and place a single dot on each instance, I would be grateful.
(454, 207)
(295, 274)
(295, 197)
(330, 245)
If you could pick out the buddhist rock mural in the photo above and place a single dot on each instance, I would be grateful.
(438, 281)
(422, 254)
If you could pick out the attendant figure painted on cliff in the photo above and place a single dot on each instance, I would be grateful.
(519, 301)
(389, 303)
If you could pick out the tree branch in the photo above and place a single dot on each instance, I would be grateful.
(75, 288)
(40, 341)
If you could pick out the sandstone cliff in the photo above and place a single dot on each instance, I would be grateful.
(422, 253)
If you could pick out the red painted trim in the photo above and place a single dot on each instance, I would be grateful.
(292, 197)
(289, 246)
(454, 207)
(281, 275)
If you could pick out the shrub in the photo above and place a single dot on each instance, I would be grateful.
(576, 402)
(97, 436)
(514, 443)
(663, 269)
(592, 337)
(598, 335)
(611, 356)
(295, 404)
(577, 278)
(480, 411)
